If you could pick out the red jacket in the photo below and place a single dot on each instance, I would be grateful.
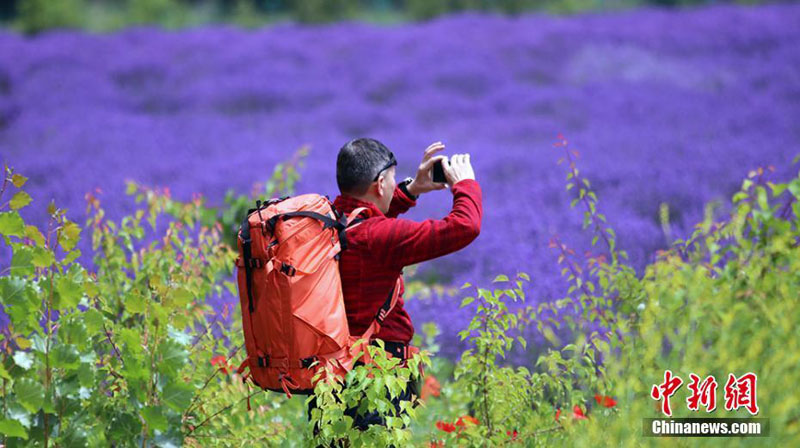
(379, 248)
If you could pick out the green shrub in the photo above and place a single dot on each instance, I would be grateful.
(39, 15)
(169, 13)
(365, 388)
(424, 9)
(318, 11)
(245, 14)
(723, 302)
(105, 358)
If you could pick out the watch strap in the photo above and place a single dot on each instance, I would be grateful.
(404, 187)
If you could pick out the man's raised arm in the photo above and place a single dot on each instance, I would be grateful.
(402, 242)
(422, 183)
(400, 203)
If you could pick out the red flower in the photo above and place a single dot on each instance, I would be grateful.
(513, 435)
(430, 387)
(446, 427)
(436, 444)
(605, 401)
(577, 413)
(558, 413)
(220, 361)
(462, 421)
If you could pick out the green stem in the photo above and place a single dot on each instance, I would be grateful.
(5, 401)
(199, 392)
(221, 411)
(5, 182)
(484, 375)
(48, 329)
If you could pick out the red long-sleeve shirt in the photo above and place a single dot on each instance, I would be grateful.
(380, 246)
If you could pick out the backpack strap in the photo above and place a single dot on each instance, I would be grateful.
(353, 218)
(383, 311)
(247, 257)
(328, 222)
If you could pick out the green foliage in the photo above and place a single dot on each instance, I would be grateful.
(39, 15)
(499, 393)
(368, 388)
(316, 11)
(724, 301)
(246, 14)
(569, 6)
(423, 9)
(167, 12)
(107, 15)
(108, 357)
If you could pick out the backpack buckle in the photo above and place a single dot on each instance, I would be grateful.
(306, 362)
(288, 269)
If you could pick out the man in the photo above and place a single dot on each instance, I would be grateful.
(381, 245)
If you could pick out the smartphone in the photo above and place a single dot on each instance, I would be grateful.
(438, 173)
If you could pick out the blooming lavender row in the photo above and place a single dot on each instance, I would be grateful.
(664, 107)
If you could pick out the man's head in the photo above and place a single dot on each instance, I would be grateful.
(365, 169)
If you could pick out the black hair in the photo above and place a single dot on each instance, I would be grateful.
(358, 163)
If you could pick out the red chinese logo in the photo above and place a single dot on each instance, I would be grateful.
(704, 393)
(741, 392)
(665, 390)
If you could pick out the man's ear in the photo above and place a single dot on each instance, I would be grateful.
(379, 185)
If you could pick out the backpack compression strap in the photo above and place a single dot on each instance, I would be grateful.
(327, 222)
(383, 311)
(247, 255)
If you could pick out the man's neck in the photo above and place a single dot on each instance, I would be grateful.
(364, 198)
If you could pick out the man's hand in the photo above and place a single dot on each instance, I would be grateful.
(457, 169)
(423, 182)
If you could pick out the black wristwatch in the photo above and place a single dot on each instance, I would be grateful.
(404, 187)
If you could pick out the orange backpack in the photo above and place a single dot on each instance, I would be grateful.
(290, 293)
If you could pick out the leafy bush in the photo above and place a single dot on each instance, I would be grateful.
(131, 353)
(105, 357)
(692, 312)
(39, 15)
(722, 302)
(314, 11)
(422, 9)
(166, 12)
(366, 388)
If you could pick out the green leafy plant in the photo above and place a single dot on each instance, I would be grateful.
(722, 302)
(314, 11)
(167, 12)
(40, 15)
(107, 356)
(367, 388)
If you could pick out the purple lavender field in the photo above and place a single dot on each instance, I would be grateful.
(664, 107)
